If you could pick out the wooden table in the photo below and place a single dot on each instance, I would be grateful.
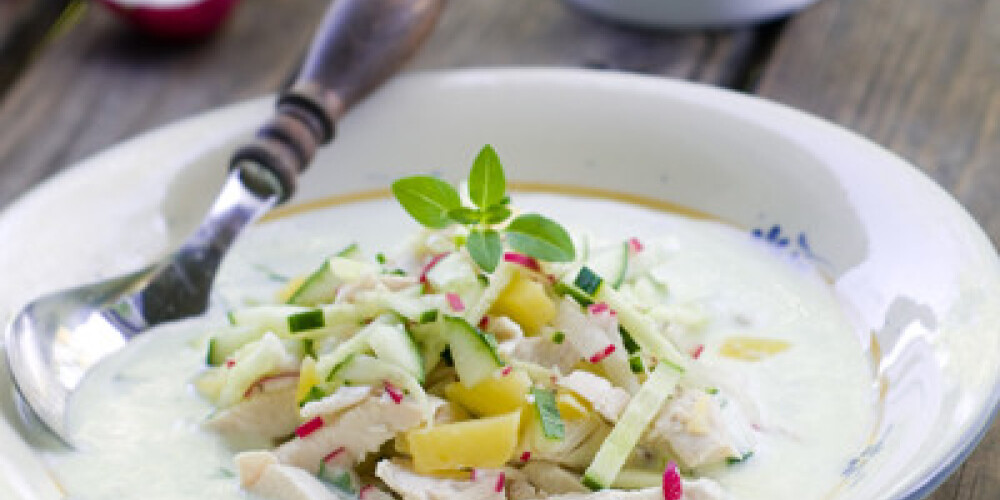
(921, 77)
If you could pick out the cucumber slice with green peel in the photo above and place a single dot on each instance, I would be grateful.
(639, 412)
(611, 263)
(393, 343)
(270, 318)
(320, 287)
(306, 320)
(228, 340)
(476, 357)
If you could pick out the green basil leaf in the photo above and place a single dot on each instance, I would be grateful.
(540, 238)
(427, 199)
(486, 180)
(465, 215)
(496, 214)
(485, 248)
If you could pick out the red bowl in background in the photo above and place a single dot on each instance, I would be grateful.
(173, 19)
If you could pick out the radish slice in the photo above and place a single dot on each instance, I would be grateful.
(309, 427)
(672, 488)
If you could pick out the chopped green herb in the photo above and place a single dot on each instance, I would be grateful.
(483, 279)
(712, 390)
(306, 320)
(309, 348)
(558, 337)
(548, 413)
(397, 272)
(380, 258)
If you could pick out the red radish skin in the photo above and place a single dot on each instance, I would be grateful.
(635, 245)
(522, 260)
(182, 21)
(430, 265)
(334, 454)
(395, 394)
(601, 356)
(455, 302)
(499, 486)
(672, 487)
(309, 427)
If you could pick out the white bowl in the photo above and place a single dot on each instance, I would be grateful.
(690, 13)
(917, 270)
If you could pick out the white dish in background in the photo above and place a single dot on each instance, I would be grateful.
(916, 271)
(690, 13)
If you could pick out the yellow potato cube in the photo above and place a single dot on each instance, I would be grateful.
(525, 302)
(752, 348)
(570, 407)
(484, 443)
(496, 395)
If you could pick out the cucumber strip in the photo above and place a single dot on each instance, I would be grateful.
(641, 410)
(611, 262)
(475, 357)
(575, 293)
(317, 288)
(327, 363)
(306, 320)
(548, 413)
(253, 362)
(394, 344)
(641, 328)
(270, 318)
(227, 341)
(321, 286)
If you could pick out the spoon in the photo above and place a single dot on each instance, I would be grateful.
(52, 342)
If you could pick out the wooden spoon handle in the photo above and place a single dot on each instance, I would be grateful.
(358, 45)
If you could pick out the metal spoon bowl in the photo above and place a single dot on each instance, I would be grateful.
(53, 341)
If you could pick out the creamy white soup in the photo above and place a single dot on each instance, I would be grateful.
(763, 330)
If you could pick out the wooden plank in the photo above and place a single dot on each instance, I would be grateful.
(98, 84)
(921, 77)
(481, 33)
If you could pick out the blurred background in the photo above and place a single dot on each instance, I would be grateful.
(921, 77)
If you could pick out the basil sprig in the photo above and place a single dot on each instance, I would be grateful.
(436, 204)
